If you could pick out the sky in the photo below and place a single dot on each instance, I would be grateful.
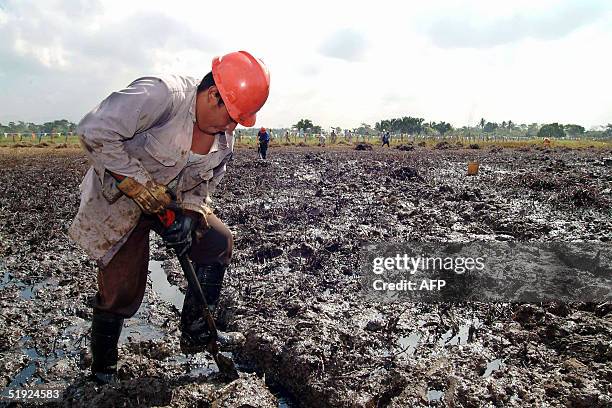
(337, 63)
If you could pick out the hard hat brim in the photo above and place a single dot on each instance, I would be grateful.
(247, 121)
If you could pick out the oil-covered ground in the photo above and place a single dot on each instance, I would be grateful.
(300, 220)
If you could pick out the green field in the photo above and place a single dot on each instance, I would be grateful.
(73, 141)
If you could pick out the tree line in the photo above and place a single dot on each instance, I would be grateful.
(418, 126)
(404, 125)
(57, 126)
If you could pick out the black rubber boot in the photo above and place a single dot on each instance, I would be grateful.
(105, 331)
(194, 329)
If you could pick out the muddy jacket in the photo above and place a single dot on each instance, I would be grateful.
(144, 132)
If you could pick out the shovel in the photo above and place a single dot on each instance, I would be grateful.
(225, 364)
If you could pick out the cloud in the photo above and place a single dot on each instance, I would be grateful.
(46, 50)
(61, 57)
(310, 70)
(471, 31)
(52, 37)
(346, 44)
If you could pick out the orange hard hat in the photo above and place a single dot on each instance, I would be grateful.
(244, 84)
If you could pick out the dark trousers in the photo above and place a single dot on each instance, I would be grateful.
(122, 283)
(263, 149)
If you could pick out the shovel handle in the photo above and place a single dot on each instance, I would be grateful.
(194, 284)
(167, 217)
(225, 364)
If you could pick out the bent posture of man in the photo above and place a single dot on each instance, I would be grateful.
(161, 139)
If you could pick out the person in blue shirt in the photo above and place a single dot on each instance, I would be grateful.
(385, 139)
(264, 139)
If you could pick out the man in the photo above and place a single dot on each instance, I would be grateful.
(264, 139)
(161, 139)
(385, 139)
(322, 139)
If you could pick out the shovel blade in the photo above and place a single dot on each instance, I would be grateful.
(226, 366)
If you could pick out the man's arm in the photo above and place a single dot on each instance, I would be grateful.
(142, 105)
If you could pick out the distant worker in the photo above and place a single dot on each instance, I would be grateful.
(385, 139)
(287, 137)
(264, 139)
(333, 136)
(322, 139)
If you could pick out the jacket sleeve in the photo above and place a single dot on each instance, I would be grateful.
(144, 104)
(197, 198)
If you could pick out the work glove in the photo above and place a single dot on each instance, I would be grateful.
(151, 198)
(179, 235)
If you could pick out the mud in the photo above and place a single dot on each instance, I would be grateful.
(299, 220)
